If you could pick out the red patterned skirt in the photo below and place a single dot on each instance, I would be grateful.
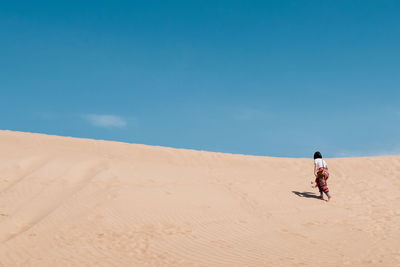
(322, 176)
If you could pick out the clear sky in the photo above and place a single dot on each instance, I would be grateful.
(274, 78)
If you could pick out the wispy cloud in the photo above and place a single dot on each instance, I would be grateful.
(372, 153)
(105, 120)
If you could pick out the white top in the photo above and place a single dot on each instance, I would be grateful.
(320, 163)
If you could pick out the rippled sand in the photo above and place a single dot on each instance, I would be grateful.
(80, 202)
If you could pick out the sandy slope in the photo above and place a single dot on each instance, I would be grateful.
(78, 202)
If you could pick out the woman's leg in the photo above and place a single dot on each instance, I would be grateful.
(321, 193)
(327, 194)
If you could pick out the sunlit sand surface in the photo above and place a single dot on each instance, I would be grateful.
(80, 202)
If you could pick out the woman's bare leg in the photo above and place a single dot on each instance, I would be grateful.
(328, 195)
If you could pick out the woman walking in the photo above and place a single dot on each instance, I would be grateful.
(321, 175)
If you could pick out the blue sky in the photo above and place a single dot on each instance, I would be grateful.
(274, 78)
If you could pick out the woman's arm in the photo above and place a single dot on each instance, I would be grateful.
(315, 174)
(315, 170)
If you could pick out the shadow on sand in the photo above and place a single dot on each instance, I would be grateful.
(306, 194)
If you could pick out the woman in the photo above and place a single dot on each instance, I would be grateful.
(321, 175)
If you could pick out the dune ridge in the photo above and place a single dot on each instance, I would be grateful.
(78, 202)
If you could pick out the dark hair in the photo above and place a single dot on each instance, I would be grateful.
(317, 155)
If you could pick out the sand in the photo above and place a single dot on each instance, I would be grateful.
(80, 202)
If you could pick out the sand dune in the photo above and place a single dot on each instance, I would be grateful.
(80, 202)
